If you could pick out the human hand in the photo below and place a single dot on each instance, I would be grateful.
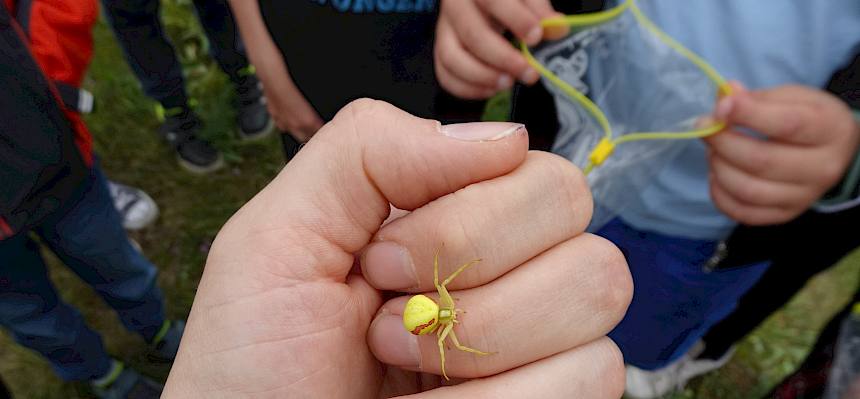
(473, 59)
(286, 104)
(285, 309)
(811, 137)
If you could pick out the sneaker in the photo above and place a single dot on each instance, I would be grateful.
(179, 127)
(165, 345)
(137, 209)
(648, 384)
(253, 118)
(125, 383)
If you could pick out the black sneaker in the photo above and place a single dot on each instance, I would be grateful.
(165, 345)
(179, 127)
(125, 383)
(253, 119)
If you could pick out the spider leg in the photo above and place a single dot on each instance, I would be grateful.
(465, 348)
(436, 268)
(453, 275)
(442, 347)
(445, 300)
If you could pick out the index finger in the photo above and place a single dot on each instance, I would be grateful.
(518, 18)
(488, 45)
(504, 221)
(782, 121)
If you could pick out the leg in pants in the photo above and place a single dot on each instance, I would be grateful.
(89, 238)
(39, 320)
(138, 29)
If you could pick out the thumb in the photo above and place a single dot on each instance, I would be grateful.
(775, 113)
(332, 197)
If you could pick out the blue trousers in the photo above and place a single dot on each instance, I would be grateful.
(675, 300)
(141, 35)
(88, 237)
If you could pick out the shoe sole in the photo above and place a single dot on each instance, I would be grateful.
(267, 131)
(201, 170)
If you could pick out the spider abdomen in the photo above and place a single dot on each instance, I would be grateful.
(421, 315)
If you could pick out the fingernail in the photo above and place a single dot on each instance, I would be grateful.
(534, 36)
(388, 266)
(529, 76)
(482, 131)
(392, 344)
(504, 82)
(724, 107)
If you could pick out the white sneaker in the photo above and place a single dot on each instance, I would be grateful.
(136, 208)
(645, 384)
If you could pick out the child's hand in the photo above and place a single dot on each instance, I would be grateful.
(811, 139)
(288, 107)
(286, 104)
(473, 59)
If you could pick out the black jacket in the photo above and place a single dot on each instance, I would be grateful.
(41, 167)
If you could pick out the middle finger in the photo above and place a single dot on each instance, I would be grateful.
(566, 297)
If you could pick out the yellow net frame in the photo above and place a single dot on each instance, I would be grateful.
(607, 145)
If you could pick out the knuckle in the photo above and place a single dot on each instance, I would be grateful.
(787, 214)
(831, 173)
(612, 277)
(442, 54)
(759, 161)
(750, 193)
(726, 209)
(470, 36)
(362, 118)
(728, 206)
(614, 371)
(567, 181)
(792, 124)
(362, 107)
(746, 215)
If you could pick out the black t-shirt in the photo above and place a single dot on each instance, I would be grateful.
(534, 105)
(340, 50)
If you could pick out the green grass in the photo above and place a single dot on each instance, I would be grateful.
(194, 207)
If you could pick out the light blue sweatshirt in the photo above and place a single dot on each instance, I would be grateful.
(762, 44)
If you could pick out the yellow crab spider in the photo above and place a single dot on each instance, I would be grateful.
(422, 315)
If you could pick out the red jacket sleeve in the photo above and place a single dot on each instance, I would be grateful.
(61, 38)
(60, 34)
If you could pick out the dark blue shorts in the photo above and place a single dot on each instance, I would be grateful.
(675, 300)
